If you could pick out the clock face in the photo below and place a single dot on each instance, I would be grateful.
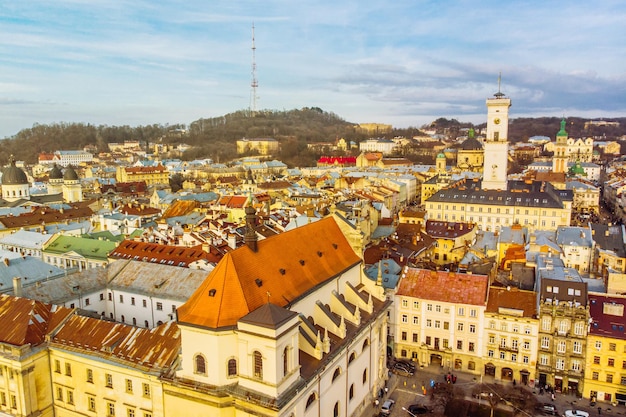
(496, 121)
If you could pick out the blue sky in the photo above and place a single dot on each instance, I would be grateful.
(135, 62)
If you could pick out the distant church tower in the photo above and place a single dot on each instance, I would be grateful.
(559, 160)
(440, 163)
(496, 143)
(72, 191)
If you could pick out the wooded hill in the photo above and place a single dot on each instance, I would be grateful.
(215, 137)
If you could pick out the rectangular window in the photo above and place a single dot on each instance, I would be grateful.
(446, 325)
(414, 337)
(416, 320)
(129, 386)
(560, 347)
(91, 403)
(159, 306)
(405, 318)
(470, 346)
(146, 390)
(596, 360)
(472, 328)
(525, 359)
(609, 378)
(545, 342)
(437, 324)
(459, 344)
(90, 376)
(130, 412)
(405, 303)
(577, 347)
(461, 311)
(416, 304)
(428, 340)
(595, 376)
(110, 409)
(70, 397)
(438, 308)
(502, 355)
(68, 369)
(144, 303)
(611, 362)
(429, 307)
(404, 336)
(86, 301)
(560, 364)
(121, 298)
(429, 323)
(545, 324)
(612, 347)
(490, 353)
(459, 327)
(59, 393)
(445, 343)
(132, 301)
(473, 312)
(622, 380)
(108, 378)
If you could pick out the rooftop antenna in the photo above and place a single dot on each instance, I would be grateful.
(254, 84)
(499, 94)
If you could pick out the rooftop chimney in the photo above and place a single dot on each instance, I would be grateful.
(17, 287)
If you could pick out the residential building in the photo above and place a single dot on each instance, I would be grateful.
(264, 146)
(25, 388)
(439, 319)
(605, 367)
(452, 240)
(77, 252)
(511, 335)
(577, 247)
(151, 175)
(563, 318)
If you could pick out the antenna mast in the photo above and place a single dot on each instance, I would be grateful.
(254, 84)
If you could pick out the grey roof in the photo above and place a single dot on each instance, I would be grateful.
(171, 282)
(574, 236)
(13, 175)
(610, 238)
(268, 315)
(66, 287)
(518, 194)
(26, 239)
(30, 269)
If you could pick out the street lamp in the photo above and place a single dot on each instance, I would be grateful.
(404, 409)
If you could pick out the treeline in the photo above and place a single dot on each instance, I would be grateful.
(215, 137)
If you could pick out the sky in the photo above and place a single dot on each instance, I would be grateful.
(401, 62)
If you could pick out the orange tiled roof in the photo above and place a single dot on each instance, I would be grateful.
(233, 201)
(180, 208)
(284, 268)
(45, 215)
(444, 286)
(25, 321)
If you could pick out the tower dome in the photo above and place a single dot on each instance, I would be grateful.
(13, 175)
(70, 174)
(55, 173)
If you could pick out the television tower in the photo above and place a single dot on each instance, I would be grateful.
(254, 84)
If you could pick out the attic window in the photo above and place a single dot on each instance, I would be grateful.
(301, 261)
(319, 253)
(335, 245)
(282, 271)
(258, 282)
(212, 292)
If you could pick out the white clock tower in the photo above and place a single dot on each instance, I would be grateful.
(496, 143)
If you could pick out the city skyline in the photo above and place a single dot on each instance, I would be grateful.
(406, 63)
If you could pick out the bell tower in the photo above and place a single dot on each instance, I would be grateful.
(497, 142)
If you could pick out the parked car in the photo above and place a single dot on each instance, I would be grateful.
(548, 409)
(576, 413)
(405, 362)
(401, 369)
(387, 407)
(418, 409)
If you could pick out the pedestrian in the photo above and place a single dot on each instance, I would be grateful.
(514, 383)
(599, 410)
(552, 396)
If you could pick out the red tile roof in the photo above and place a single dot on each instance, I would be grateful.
(233, 201)
(512, 298)
(24, 321)
(449, 287)
(45, 215)
(146, 348)
(160, 254)
(284, 268)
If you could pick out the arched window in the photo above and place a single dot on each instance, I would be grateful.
(258, 364)
(286, 361)
(310, 400)
(336, 373)
(200, 364)
(123, 319)
(366, 343)
(352, 357)
(364, 375)
(336, 410)
(351, 392)
(232, 367)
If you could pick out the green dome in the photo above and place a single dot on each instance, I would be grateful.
(441, 155)
(562, 132)
(13, 175)
(577, 169)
